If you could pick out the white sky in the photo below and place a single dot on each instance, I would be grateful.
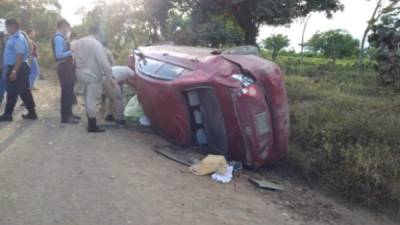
(353, 19)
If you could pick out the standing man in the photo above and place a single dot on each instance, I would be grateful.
(16, 56)
(91, 66)
(65, 71)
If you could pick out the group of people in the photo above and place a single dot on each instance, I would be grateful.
(85, 62)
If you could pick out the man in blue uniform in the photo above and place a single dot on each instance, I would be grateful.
(16, 55)
(65, 71)
(2, 69)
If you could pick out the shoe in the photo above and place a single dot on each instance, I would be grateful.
(76, 117)
(110, 118)
(30, 116)
(69, 120)
(6, 118)
(92, 126)
(121, 123)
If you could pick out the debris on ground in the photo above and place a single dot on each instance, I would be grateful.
(144, 121)
(265, 184)
(224, 178)
(209, 165)
(186, 157)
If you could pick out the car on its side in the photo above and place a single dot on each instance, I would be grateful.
(230, 103)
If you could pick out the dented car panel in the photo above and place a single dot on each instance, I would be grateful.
(232, 105)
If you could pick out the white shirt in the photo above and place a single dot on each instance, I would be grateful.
(122, 73)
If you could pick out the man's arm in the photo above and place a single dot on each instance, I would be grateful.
(103, 61)
(59, 48)
(20, 51)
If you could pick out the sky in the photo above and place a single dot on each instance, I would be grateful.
(353, 19)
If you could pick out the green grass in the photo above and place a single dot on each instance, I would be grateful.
(345, 134)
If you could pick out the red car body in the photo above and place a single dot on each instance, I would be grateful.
(233, 105)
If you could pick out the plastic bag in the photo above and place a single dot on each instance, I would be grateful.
(133, 111)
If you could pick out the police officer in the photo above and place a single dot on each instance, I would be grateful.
(16, 56)
(2, 69)
(65, 71)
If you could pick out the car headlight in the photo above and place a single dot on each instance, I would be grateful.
(245, 80)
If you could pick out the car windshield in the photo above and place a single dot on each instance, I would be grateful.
(159, 70)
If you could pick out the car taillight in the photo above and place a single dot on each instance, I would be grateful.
(244, 79)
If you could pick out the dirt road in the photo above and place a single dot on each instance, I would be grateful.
(53, 174)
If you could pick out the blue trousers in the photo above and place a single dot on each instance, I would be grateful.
(34, 72)
(3, 83)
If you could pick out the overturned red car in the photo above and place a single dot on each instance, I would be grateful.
(229, 103)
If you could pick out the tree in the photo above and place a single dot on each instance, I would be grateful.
(335, 44)
(374, 18)
(251, 14)
(276, 43)
(40, 15)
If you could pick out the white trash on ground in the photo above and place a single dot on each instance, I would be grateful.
(224, 178)
(144, 121)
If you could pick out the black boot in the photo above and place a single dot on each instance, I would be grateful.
(31, 115)
(76, 117)
(110, 118)
(92, 126)
(6, 118)
(69, 120)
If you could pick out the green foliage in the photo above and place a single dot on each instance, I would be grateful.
(276, 43)
(250, 15)
(335, 44)
(40, 15)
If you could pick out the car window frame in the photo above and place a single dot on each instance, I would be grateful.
(155, 75)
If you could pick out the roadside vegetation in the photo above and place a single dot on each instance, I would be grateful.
(345, 128)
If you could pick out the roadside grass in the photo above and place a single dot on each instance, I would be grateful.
(345, 133)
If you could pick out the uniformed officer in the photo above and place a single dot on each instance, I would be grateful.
(2, 69)
(65, 71)
(91, 66)
(16, 56)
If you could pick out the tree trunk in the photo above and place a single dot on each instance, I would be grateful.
(245, 17)
(274, 55)
(302, 40)
(364, 39)
(251, 33)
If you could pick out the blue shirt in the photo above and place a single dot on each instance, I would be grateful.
(16, 44)
(61, 47)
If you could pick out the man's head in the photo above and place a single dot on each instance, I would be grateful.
(95, 32)
(31, 34)
(64, 27)
(12, 26)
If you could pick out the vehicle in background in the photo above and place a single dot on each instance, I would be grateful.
(2, 25)
(230, 103)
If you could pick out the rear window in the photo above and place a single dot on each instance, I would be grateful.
(159, 70)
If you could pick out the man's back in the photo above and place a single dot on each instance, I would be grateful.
(90, 55)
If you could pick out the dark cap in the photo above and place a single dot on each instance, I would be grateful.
(12, 22)
(62, 23)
